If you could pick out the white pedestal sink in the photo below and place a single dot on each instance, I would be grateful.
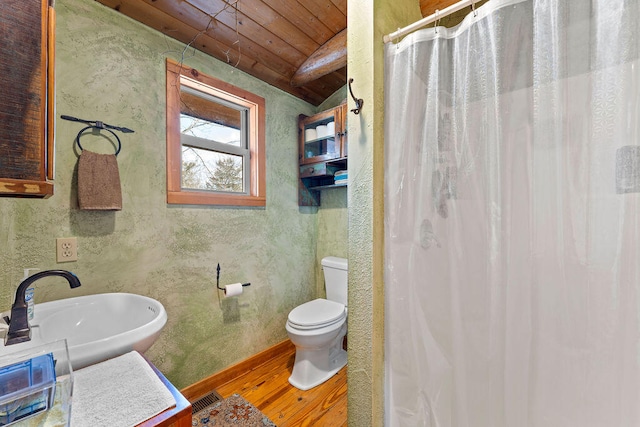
(96, 327)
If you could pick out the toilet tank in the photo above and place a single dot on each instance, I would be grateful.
(335, 278)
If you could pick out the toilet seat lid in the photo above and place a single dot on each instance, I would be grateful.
(318, 312)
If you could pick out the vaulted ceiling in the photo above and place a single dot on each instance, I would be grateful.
(269, 39)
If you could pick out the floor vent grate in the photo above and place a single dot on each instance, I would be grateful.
(205, 401)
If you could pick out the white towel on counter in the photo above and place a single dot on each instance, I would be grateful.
(120, 392)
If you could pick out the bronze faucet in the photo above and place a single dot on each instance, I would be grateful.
(19, 330)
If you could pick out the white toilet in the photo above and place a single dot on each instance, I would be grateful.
(317, 329)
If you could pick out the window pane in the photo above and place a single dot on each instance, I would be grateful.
(209, 130)
(211, 170)
(211, 118)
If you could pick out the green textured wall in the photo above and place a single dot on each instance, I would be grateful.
(333, 235)
(368, 22)
(111, 68)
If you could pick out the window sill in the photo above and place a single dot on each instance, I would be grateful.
(204, 198)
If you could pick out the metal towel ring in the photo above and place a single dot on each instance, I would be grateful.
(99, 127)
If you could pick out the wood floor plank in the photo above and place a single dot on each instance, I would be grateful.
(258, 382)
(205, 385)
(296, 406)
(263, 381)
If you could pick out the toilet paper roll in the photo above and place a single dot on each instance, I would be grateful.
(310, 134)
(233, 290)
(321, 131)
(331, 129)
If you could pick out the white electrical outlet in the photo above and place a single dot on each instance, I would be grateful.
(66, 249)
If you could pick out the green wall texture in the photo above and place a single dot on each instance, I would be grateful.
(369, 21)
(111, 68)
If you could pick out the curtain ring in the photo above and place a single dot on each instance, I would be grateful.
(473, 9)
(436, 22)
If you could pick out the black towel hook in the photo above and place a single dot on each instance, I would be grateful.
(359, 101)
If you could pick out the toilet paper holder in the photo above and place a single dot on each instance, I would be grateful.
(218, 279)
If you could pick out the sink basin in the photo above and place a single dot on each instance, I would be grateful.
(96, 327)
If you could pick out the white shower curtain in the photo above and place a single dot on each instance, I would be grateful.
(512, 218)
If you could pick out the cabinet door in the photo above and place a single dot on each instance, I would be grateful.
(319, 137)
(26, 103)
(341, 126)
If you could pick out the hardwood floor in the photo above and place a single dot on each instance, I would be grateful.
(262, 380)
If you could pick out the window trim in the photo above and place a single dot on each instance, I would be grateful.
(180, 74)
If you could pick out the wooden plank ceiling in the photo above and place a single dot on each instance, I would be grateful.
(268, 39)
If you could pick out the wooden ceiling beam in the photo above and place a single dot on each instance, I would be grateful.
(329, 57)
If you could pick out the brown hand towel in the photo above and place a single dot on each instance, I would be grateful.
(99, 182)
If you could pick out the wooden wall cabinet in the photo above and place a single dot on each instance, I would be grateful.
(27, 29)
(322, 152)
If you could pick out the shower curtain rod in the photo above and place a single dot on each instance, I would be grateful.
(428, 20)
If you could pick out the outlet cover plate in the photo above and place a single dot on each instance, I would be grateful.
(66, 249)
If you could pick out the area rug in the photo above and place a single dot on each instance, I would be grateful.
(231, 412)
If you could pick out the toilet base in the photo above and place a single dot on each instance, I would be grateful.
(312, 367)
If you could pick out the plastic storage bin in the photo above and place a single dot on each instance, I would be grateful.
(26, 388)
(36, 386)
